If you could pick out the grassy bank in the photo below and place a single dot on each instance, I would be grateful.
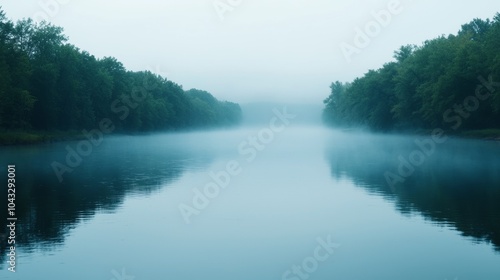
(8, 138)
(486, 134)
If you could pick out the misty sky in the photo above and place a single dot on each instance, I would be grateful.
(261, 50)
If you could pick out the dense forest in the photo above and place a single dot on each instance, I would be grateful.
(449, 82)
(47, 84)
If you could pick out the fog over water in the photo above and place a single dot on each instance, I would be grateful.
(276, 193)
(178, 190)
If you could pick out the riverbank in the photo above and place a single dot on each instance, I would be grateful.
(20, 138)
(13, 138)
(485, 134)
(492, 134)
(34, 137)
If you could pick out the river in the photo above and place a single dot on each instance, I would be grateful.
(261, 202)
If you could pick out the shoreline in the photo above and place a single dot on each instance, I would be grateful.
(485, 134)
(492, 134)
(28, 138)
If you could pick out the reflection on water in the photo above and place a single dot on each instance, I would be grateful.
(48, 209)
(119, 209)
(458, 185)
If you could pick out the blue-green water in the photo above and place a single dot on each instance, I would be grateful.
(117, 214)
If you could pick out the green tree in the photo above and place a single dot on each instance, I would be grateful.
(47, 84)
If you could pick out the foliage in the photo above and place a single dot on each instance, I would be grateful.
(424, 83)
(48, 84)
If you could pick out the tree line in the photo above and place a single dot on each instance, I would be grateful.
(48, 84)
(451, 82)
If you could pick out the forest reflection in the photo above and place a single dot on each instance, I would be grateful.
(457, 186)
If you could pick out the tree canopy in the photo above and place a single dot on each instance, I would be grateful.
(49, 84)
(449, 82)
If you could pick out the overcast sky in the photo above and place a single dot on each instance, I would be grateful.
(251, 50)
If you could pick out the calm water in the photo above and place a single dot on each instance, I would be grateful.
(117, 216)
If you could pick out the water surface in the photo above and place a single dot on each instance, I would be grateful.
(117, 214)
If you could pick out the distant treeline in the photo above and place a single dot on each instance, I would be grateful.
(450, 82)
(48, 84)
